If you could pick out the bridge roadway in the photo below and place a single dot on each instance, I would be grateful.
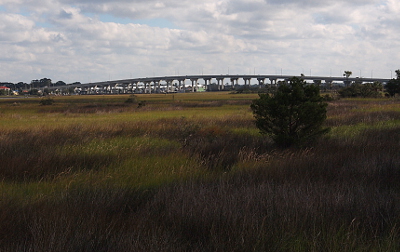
(148, 82)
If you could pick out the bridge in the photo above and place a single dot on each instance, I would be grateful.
(179, 83)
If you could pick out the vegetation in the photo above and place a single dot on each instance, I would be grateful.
(293, 115)
(46, 101)
(393, 86)
(367, 90)
(347, 74)
(190, 172)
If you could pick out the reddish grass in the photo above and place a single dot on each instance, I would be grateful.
(337, 195)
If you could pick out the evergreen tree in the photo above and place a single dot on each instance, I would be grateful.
(294, 115)
(393, 86)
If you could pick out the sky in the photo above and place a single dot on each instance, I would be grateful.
(100, 40)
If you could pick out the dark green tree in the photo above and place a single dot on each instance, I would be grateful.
(35, 84)
(45, 82)
(60, 83)
(294, 115)
(393, 86)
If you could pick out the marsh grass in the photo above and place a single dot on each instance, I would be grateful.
(195, 178)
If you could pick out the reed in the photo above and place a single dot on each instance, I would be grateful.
(195, 177)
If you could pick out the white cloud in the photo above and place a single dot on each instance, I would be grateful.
(67, 39)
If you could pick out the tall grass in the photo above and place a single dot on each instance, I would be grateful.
(198, 179)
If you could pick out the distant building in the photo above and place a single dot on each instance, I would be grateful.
(5, 90)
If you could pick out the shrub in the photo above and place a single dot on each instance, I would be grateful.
(293, 115)
(141, 104)
(131, 99)
(393, 87)
(46, 101)
(372, 90)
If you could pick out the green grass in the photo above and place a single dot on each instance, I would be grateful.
(189, 172)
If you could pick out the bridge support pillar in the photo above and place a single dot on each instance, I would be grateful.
(147, 87)
(261, 82)
(317, 82)
(194, 83)
(233, 80)
(247, 81)
(207, 82)
(169, 84)
(182, 85)
(157, 86)
(220, 81)
(273, 81)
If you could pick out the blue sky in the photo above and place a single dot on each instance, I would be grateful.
(82, 40)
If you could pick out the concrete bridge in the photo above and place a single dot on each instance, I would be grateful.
(190, 83)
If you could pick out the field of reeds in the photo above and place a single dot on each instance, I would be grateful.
(190, 172)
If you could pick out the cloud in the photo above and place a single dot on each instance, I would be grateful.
(71, 40)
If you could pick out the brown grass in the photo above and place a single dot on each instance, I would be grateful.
(341, 194)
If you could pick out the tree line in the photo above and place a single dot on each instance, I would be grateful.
(376, 89)
(32, 87)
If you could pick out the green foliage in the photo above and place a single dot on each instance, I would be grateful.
(393, 86)
(328, 97)
(46, 101)
(293, 115)
(371, 90)
(347, 74)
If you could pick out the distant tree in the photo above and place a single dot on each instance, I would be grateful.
(45, 82)
(22, 85)
(393, 86)
(35, 84)
(60, 83)
(7, 84)
(294, 115)
(347, 74)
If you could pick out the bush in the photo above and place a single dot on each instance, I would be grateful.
(293, 115)
(131, 99)
(141, 104)
(372, 90)
(46, 101)
(393, 87)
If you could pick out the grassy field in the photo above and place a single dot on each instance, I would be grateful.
(189, 172)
